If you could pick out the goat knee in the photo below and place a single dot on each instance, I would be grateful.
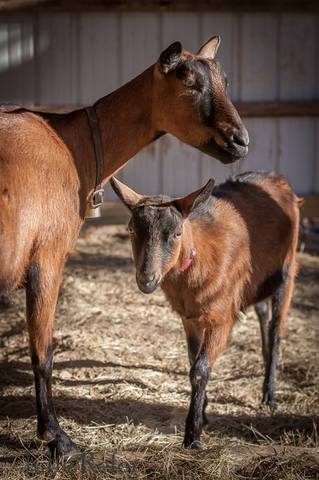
(199, 373)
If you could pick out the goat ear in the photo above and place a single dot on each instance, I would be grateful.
(188, 204)
(126, 194)
(209, 49)
(170, 58)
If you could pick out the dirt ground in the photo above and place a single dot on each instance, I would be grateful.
(121, 382)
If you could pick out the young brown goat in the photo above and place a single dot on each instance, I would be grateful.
(215, 252)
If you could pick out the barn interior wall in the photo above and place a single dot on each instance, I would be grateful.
(75, 58)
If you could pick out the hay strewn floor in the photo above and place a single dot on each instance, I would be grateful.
(121, 382)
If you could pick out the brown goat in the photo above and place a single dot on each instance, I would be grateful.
(48, 176)
(215, 252)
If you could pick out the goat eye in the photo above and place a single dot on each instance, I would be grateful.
(189, 83)
(177, 235)
(190, 80)
(130, 229)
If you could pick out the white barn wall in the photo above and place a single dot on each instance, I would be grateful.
(227, 26)
(297, 79)
(140, 38)
(259, 36)
(64, 59)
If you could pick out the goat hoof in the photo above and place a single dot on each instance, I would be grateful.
(269, 400)
(192, 444)
(195, 445)
(272, 406)
(62, 447)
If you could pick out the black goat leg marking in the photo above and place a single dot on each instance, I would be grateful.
(199, 375)
(40, 312)
(262, 311)
(278, 300)
(49, 429)
(193, 350)
(205, 419)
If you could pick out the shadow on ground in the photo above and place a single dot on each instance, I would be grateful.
(160, 416)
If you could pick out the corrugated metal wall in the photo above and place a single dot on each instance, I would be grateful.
(63, 59)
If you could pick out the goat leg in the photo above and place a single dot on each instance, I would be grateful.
(199, 375)
(42, 287)
(262, 311)
(280, 305)
(212, 339)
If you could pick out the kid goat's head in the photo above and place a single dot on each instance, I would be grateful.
(158, 229)
(190, 102)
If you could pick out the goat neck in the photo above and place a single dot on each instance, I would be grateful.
(125, 120)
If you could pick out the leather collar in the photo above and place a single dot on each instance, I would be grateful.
(97, 196)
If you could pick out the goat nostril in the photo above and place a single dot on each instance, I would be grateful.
(234, 135)
(147, 280)
(241, 141)
(150, 280)
(241, 138)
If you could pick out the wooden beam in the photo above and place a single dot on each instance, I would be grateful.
(279, 109)
(301, 6)
(116, 214)
(310, 208)
(246, 109)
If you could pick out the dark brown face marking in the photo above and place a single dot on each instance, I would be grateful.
(197, 109)
(155, 234)
(204, 80)
(156, 229)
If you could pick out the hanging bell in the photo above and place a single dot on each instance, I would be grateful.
(93, 212)
(93, 209)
